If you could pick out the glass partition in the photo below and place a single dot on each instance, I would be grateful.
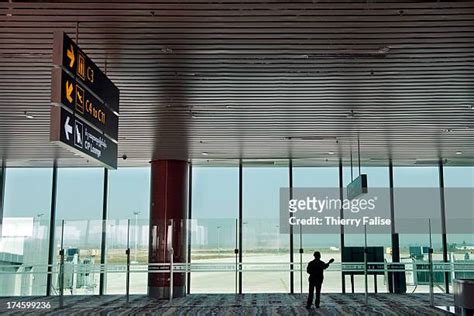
(212, 255)
(117, 240)
(81, 242)
(213, 243)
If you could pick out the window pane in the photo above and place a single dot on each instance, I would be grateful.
(377, 177)
(458, 178)
(129, 199)
(262, 241)
(79, 195)
(327, 244)
(25, 230)
(459, 199)
(79, 204)
(215, 205)
(418, 178)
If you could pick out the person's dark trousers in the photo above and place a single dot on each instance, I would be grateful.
(312, 286)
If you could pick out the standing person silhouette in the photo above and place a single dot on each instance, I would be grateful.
(315, 270)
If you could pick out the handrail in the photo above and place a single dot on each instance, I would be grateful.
(421, 266)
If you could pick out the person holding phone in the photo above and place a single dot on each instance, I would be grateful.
(315, 270)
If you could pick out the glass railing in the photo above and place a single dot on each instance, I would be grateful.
(79, 278)
(211, 260)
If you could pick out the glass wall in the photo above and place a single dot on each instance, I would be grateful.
(262, 241)
(327, 244)
(128, 216)
(25, 231)
(213, 233)
(215, 207)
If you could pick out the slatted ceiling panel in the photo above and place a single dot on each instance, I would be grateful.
(236, 79)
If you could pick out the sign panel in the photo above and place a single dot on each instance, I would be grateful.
(71, 93)
(69, 56)
(357, 187)
(78, 136)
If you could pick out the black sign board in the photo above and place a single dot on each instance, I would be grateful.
(69, 56)
(78, 136)
(71, 93)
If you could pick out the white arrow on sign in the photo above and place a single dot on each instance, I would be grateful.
(67, 128)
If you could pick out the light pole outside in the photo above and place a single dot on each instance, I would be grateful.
(278, 239)
(136, 213)
(218, 240)
(38, 222)
(37, 234)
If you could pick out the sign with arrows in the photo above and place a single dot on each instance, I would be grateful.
(72, 59)
(84, 115)
(65, 90)
(79, 137)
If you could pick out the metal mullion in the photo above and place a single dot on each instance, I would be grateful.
(103, 242)
(190, 195)
(52, 228)
(443, 221)
(240, 223)
(292, 274)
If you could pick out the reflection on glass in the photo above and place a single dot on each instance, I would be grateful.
(24, 240)
(81, 243)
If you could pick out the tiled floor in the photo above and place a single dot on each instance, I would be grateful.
(229, 304)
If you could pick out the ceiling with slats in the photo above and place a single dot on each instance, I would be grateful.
(252, 79)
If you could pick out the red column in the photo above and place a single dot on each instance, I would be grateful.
(168, 213)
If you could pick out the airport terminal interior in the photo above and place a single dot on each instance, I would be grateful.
(163, 157)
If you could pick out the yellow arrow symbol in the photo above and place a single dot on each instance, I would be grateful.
(70, 55)
(69, 91)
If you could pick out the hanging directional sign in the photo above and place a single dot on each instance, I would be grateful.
(84, 115)
(78, 136)
(71, 58)
(71, 93)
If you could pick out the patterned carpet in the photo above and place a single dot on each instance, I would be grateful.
(229, 304)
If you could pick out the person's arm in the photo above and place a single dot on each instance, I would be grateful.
(326, 265)
(308, 269)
